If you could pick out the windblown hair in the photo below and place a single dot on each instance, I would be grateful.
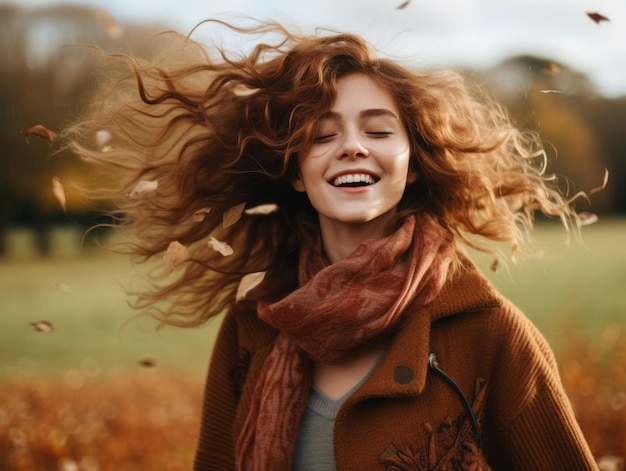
(218, 133)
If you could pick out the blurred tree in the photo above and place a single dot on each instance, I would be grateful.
(607, 118)
(44, 80)
(549, 97)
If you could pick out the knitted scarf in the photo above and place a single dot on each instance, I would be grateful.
(337, 308)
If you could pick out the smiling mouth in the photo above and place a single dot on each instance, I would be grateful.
(353, 180)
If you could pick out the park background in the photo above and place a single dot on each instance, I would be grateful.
(86, 385)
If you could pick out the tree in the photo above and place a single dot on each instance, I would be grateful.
(45, 81)
(546, 96)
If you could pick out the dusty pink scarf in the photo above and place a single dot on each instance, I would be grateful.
(338, 307)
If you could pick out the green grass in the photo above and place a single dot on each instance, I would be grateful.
(580, 285)
(82, 294)
(96, 331)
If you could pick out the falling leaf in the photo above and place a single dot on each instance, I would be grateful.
(587, 218)
(60, 286)
(112, 29)
(551, 69)
(147, 362)
(103, 138)
(248, 282)
(175, 255)
(67, 464)
(42, 326)
(219, 246)
(40, 131)
(199, 215)
(494, 265)
(549, 91)
(232, 215)
(598, 189)
(403, 5)
(58, 192)
(262, 209)
(143, 187)
(242, 90)
(597, 17)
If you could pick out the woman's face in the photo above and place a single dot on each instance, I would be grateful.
(358, 165)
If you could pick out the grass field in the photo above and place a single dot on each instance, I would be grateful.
(81, 293)
(81, 398)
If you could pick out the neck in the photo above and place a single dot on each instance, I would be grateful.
(341, 239)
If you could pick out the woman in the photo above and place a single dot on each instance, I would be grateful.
(348, 185)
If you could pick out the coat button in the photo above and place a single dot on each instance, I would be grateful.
(403, 374)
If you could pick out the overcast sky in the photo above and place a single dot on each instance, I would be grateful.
(474, 33)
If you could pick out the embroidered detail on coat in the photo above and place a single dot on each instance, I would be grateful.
(239, 372)
(450, 446)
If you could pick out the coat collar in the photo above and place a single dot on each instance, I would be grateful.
(403, 369)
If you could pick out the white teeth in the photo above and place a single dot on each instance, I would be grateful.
(354, 178)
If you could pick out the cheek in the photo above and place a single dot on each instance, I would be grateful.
(398, 165)
(392, 150)
(312, 165)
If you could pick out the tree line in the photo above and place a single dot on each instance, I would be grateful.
(43, 81)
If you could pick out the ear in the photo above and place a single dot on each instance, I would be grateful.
(298, 183)
(412, 177)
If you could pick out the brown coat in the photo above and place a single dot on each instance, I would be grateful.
(406, 416)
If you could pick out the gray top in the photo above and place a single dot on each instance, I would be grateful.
(314, 445)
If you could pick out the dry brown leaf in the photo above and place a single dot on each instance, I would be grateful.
(551, 69)
(248, 282)
(60, 286)
(598, 189)
(262, 210)
(587, 218)
(199, 215)
(597, 17)
(242, 90)
(147, 362)
(40, 131)
(42, 326)
(403, 5)
(58, 192)
(219, 246)
(232, 215)
(144, 187)
(549, 91)
(112, 29)
(103, 139)
(175, 254)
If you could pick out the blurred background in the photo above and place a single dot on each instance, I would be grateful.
(87, 385)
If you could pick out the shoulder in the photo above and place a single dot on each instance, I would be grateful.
(488, 327)
(250, 331)
(471, 300)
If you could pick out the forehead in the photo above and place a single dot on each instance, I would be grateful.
(358, 92)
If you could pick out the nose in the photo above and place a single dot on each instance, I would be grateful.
(352, 146)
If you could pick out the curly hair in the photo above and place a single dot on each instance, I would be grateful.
(225, 132)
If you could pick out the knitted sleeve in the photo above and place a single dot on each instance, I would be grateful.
(216, 442)
(538, 428)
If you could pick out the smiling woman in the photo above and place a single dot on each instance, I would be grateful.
(357, 168)
(322, 196)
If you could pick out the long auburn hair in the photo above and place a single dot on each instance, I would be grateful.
(221, 132)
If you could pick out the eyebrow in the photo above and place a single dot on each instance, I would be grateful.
(369, 113)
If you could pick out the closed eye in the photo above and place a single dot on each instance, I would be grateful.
(324, 138)
(379, 133)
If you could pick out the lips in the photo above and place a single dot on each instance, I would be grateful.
(354, 179)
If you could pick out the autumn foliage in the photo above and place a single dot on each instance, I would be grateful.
(146, 420)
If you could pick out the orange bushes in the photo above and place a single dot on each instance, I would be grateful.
(121, 422)
(594, 375)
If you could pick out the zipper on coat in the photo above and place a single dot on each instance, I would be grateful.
(434, 365)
